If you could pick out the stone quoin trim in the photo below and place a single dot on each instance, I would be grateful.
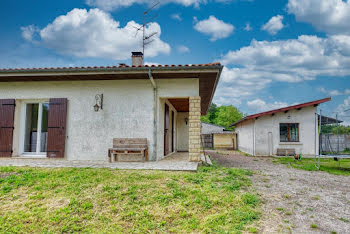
(194, 129)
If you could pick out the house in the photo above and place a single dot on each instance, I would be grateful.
(288, 130)
(74, 113)
(215, 136)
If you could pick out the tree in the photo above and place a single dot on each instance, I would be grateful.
(212, 112)
(222, 115)
(226, 115)
(211, 115)
(332, 129)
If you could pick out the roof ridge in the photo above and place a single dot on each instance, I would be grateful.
(301, 105)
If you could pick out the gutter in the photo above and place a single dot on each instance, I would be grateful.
(82, 70)
(155, 119)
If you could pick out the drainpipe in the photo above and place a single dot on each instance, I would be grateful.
(155, 98)
(254, 138)
(316, 133)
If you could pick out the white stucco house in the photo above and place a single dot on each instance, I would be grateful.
(74, 113)
(293, 128)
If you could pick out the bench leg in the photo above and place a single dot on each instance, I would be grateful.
(112, 157)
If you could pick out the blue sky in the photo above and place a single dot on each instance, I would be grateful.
(276, 52)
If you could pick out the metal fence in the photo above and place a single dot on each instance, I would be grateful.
(207, 141)
(333, 143)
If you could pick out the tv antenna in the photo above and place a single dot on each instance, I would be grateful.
(147, 39)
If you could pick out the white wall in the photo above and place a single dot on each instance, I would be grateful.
(245, 136)
(265, 124)
(172, 88)
(127, 111)
(183, 133)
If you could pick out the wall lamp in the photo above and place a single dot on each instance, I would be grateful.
(186, 120)
(99, 102)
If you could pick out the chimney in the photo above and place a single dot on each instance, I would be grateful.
(137, 58)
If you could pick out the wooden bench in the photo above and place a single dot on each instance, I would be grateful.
(129, 150)
(285, 152)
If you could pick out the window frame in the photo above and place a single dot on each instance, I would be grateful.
(24, 104)
(288, 133)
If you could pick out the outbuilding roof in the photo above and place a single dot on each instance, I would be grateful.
(284, 109)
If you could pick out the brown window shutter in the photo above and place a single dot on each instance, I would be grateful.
(56, 136)
(7, 114)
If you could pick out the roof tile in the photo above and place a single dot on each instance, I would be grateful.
(104, 67)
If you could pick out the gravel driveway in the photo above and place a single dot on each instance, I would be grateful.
(295, 201)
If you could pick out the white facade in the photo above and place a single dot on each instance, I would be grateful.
(261, 136)
(128, 112)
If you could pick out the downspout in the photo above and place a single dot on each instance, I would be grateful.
(316, 132)
(254, 138)
(155, 98)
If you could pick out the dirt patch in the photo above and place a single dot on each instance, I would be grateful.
(295, 201)
(4, 175)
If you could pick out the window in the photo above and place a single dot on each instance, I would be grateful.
(35, 128)
(289, 132)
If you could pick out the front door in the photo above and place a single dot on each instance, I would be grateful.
(166, 130)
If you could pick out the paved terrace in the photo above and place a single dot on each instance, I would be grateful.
(174, 162)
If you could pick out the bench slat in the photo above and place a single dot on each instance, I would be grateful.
(284, 152)
(129, 141)
(130, 146)
(122, 146)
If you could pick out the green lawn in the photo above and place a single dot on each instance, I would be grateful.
(328, 165)
(103, 200)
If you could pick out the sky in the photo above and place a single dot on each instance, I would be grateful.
(275, 52)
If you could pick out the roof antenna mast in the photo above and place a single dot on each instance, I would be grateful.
(147, 39)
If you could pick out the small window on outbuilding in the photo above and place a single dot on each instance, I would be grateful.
(289, 132)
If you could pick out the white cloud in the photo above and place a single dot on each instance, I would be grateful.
(293, 60)
(29, 32)
(176, 17)
(94, 33)
(252, 68)
(236, 85)
(214, 27)
(109, 5)
(183, 49)
(334, 92)
(331, 16)
(248, 27)
(151, 63)
(344, 111)
(274, 25)
(259, 105)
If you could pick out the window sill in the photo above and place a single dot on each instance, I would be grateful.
(40, 156)
(291, 143)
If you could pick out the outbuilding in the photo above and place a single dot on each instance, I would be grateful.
(285, 131)
(216, 137)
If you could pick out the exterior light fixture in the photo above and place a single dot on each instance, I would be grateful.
(186, 120)
(99, 102)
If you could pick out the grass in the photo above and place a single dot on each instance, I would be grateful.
(327, 165)
(313, 225)
(103, 200)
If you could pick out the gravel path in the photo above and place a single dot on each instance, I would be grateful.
(295, 201)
